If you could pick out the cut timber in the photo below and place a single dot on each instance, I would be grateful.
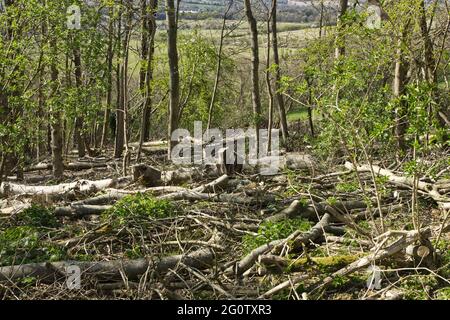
(133, 269)
(224, 197)
(219, 183)
(85, 186)
(297, 237)
(80, 210)
(405, 239)
(312, 210)
(425, 187)
(328, 264)
(113, 195)
(73, 166)
(146, 175)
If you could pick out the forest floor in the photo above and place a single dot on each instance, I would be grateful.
(313, 231)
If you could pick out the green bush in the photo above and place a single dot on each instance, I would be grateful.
(270, 231)
(22, 244)
(140, 206)
(37, 216)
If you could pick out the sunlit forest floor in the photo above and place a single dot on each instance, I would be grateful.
(309, 232)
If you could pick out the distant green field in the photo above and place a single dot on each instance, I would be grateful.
(297, 115)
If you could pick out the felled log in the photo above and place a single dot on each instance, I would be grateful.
(219, 183)
(73, 166)
(404, 239)
(83, 186)
(224, 197)
(146, 175)
(311, 210)
(76, 211)
(113, 195)
(297, 237)
(280, 264)
(428, 188)
(133, 269)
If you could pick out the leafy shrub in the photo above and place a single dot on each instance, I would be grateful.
(140, 206)
(22, 244)
(269, 231)
(37, 216)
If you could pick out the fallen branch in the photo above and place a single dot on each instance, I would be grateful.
(84, 186)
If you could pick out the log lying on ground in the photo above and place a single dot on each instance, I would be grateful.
(77, 211)
(73, 166)
(224, 197)
(219, 183)
(425, 187)
(133, 269)
(113, 195)
(378, 253)
(83, 186)
(298, 239)
(279, 264)
(312, 210)
(406, 238)
(146, 175)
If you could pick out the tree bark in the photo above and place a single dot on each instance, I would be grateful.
(256, 97)
(276, 61)
(172, 51)
(109, 79)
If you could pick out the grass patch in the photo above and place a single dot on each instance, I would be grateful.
(269, 231)
(37, 216)
(297, 115)
(140, 206)
(19, 245)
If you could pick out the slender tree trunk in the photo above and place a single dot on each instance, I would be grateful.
(322, 9)
(172, 51)
(126, 46)
(269, 81)
(400, 74)
(79, 121)
(340, 39)
(276, 60)
(149, 23)
(218, 64)
(256, 98)
(110, 58)
(55, 115)
(119, 138)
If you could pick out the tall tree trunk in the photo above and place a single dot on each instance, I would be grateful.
(400, 76)
(276, 60)
(110, 58)
(172, 51)
(119, 138)
(79, 121)
(55, 115)
(270, 97)
(340, 39)
(430, 65)
(148, 49)
(126, 46)
(218, 64)
(322, 10)
(256, 98)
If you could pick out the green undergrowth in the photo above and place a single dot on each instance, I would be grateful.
(270, 231)
(25, 244)
(37, 216)
(138, 207)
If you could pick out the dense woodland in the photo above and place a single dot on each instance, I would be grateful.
(359, 208)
